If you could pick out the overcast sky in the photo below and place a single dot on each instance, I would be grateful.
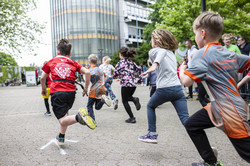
(44, 52)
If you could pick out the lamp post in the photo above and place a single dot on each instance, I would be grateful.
(100, 51)
(203, 5)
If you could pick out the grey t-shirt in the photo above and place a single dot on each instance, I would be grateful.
(167, 69)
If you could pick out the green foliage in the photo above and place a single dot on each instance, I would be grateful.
(115, 59)
(16, 28)
(155, 19)
(7, 60)
(178, 16)
(142, 53)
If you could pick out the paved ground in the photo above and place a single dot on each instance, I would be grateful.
(27, 135)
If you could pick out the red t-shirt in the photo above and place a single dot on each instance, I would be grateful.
(63, 68)
(49, 80)
(248, 73)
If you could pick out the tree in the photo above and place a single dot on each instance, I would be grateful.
(178, 16)
(7, 60)
(17, 30)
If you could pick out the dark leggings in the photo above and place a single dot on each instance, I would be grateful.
(195, 126)
(46, 102)
(127, 95)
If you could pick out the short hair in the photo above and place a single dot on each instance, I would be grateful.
(226, 35)
(211, 22)
(93, 58)
(165, 39)
(128, 53)
(64, 47)
(243, 38)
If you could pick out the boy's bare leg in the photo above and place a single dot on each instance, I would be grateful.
(65, 122)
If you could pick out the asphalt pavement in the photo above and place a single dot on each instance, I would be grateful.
(28, 137)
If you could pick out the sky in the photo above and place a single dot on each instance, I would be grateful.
(44, 51)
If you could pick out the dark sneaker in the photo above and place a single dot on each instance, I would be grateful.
(206, 164)
(189, 97)
(137, 103)
(60, 141)
(115, 103)
(149, 138)
(85, 119)
(47, 114)
(130, 120)
(106, 100)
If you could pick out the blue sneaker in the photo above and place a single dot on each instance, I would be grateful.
(149, 138)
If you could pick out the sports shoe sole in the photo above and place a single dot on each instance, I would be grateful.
(148, 141)
(137, 104)
(86, 119)
(116, 104)
(106, 100)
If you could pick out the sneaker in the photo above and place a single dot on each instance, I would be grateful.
(85, 119)
(60, 141)
(206, 164)
(106, 100)
(130, 120)
(149, 138)
(189, 97)
(137, 103)
(47, 114)
(115, 103)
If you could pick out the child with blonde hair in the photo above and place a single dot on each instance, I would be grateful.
(97, 92)
(107, 68)
(218, 68)
(167, 83)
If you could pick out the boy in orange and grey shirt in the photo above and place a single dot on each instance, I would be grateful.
(98, 92)
(219, 68)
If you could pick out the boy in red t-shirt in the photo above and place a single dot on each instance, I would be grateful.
(62, 70)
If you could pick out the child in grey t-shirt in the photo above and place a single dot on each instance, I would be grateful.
(167, 83)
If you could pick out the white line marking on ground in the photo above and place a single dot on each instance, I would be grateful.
(62, 151)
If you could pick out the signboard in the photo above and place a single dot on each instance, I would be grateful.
(30, 78)
(1, 74)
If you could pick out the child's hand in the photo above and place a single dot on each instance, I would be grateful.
(145, 73)
(183, 66)
(84, 92)
(44, 92)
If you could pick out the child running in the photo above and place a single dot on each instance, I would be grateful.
(62, 89)
(97, 92)
(167, 83)
(126, 69)
(46, 98)
(218, 68)
(107, 68)
(151, 80)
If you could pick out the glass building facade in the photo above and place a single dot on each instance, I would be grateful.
(90, 25)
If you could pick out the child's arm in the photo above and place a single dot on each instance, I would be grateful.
(243, 81)
(185, 80)
(87, 79)
(151, 69)
(43, 83)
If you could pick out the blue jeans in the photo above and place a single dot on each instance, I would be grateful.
(173, 94)
(90, 104)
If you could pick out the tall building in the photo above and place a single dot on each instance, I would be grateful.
(97, 26)
(133, 16)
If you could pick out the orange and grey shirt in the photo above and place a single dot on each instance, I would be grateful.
(219, 68)
(97, 88)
